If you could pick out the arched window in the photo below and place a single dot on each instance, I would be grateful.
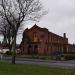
(35, 37)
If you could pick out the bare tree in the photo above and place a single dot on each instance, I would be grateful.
(6, 31)
(3, 32)
(17, 11)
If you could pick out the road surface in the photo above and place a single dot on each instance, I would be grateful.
(50, 63)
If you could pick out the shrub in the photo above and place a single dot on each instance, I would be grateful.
(8, 53)
(69, 56)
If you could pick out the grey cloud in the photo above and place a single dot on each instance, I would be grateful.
(60, 17)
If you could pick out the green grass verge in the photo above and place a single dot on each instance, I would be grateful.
(28, 69)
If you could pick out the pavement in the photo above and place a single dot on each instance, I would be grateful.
(50, 63)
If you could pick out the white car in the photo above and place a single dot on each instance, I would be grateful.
(4, 50)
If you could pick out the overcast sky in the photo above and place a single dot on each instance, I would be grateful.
(60, 18)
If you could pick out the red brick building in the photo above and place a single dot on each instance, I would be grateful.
(38, 40)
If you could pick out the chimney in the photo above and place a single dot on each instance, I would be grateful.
(64, 35)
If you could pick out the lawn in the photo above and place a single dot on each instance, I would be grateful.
(26, 69)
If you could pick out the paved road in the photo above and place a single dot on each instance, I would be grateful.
(50, 63)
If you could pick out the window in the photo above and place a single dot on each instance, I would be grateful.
(35, 38)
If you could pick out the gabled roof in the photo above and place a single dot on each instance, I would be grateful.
(39, 28)
(42, 29)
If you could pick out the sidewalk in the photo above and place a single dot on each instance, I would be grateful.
(39, 60)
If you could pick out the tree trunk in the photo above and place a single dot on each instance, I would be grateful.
(4, 40)
(13, 49)
(9, 44)
(9, 40)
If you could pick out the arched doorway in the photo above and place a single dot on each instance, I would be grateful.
(29, 49)
(35, 49)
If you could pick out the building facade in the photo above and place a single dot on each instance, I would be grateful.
(38, 40)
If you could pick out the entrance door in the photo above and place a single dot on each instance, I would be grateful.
(29, 49)
(35, 49)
